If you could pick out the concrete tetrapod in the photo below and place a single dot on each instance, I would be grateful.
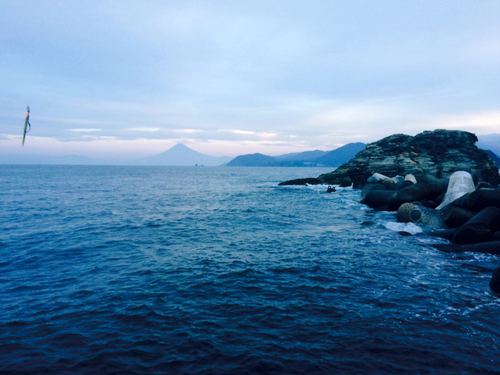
(460, 183)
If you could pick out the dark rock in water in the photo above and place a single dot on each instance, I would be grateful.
(369, 187)
(301, 181)
(346, 182)
(495, 281)
(471, 234)
(375, 198)
(488, 218)
(330, 189)
(482, 198)
(358, 182)
(406, 183)
(479, 199)
(454, 217)
(438, 153)
(427, 187)
(492, 247)
(479, 228)
(445, 233)
(391, 184)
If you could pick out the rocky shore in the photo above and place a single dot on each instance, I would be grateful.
(439, 179)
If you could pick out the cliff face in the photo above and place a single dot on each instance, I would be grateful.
(438, 153)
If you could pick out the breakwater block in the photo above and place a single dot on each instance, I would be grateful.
(495, 281)
(454, 217)
(471, 234)
(460, 183)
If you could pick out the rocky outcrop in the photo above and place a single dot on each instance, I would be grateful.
(437, 153)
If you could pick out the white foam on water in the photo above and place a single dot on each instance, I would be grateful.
(405, 227)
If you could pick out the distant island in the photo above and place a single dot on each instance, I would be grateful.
(315, 158)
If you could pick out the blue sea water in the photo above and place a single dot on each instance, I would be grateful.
(185, 270)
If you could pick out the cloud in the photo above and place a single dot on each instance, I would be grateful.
(188, 131)
(250, 132)
(151, 130)
(221, 73)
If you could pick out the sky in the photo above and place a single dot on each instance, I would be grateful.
(129, 79)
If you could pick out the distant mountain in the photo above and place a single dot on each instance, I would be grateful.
(181, 155)
(315, 158)
(494, 156)
(489, 142)
(306, 155)
(253, 160)
(341, 155)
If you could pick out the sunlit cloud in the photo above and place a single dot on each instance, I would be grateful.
(85, 130)
(151, 130)
(188, 131)
(480, 122)
(67, 120)
(258, 134)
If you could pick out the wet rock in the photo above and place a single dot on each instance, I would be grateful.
(495, 281)
(405, 184)
(346, 182)
(302, 181)
(479, 228)
(484, 197)
(444, 233)
(471, 234)
(368, 187)
(454, 217)
(358, 182)
(492, 247)
(438, 153)
(375, 198)
(488, 218)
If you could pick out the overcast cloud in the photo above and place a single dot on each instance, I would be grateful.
(133, 78)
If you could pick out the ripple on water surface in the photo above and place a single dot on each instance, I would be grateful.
(153, 270)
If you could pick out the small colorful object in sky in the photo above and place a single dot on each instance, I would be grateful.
(27, 125)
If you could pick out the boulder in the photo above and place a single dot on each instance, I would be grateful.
(438, 153)
(346, 182)
(358, 182)
(301, 181)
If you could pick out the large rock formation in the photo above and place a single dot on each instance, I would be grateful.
(438, 153)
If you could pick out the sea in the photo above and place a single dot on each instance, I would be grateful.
(218, 270)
